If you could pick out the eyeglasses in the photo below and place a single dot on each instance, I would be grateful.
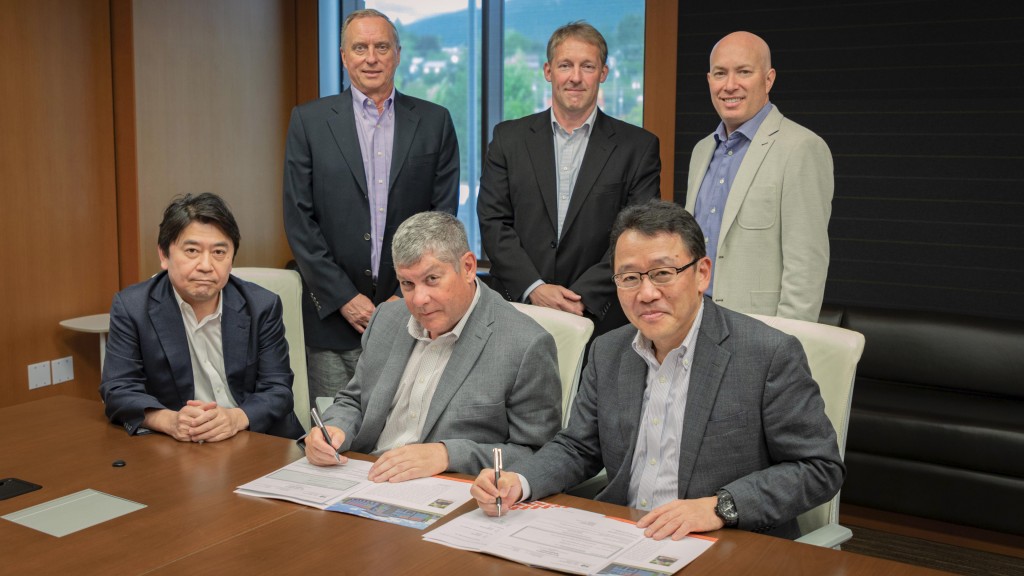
(657, 276)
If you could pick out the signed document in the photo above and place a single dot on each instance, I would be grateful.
(415, 503)
(569, 540)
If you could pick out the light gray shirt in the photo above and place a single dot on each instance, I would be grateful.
(416, 389)
(206, 349)
(654, 472)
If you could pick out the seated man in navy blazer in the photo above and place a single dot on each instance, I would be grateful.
(194, 352)
(702, 417)
(447, 374)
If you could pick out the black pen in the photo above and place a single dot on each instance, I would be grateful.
(497, 475)
(320, 424)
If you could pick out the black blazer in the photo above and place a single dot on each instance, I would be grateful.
(327, 210)
(518, 208)
(148, 364)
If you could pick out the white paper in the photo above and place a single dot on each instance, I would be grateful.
(345, 488)
(569, 540)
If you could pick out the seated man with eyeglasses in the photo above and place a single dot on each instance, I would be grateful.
(704, 417)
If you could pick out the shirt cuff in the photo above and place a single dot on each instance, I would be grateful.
(526, 487)
(526, 294)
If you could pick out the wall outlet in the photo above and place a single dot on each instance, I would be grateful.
(63, 370)
(38, 375)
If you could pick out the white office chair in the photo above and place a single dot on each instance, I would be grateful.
(571, 333)
(833, 354)
(287, 285)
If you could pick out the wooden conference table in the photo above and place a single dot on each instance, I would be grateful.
(195, 524)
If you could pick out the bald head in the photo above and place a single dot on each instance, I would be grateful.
(751, 43)
(740, 77)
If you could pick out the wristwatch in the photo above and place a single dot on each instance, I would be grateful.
(726, 508)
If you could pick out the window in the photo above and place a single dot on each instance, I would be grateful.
(449, 57)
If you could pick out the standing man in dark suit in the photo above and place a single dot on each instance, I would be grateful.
(194, 352)
(357, 165)
(553, 182)
(701, 416)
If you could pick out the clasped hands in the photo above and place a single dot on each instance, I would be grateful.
(198, 422)
(404, 463)
(676, 518)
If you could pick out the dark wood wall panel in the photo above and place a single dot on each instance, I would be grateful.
(922, 104)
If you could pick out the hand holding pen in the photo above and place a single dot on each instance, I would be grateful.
(497, 475)
(323, 430)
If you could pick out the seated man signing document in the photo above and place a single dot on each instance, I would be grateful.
(702, 416)
(446, 376)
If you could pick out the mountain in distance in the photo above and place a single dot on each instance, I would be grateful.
(535, 19)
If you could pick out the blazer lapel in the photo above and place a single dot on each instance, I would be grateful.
(343, 128)
(632, 381)
(759, 147)
(709, 363)
(170, 330)
(599, 148)
(235, 323)
(541, 148)
(467, 350)
(406, 121)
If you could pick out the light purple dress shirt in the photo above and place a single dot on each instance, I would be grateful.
(376, 132)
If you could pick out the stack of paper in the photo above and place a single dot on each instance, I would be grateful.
(415, 503)
(569, 540)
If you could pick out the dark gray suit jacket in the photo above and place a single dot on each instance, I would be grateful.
(518, 208)
(500, 387)
(755, 424)
(327, 210)
(148, 364)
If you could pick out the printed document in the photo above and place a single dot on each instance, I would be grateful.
(415, 503)
(569, 540)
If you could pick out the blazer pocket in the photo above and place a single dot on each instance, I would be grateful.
(730, 423)
(614, 188)
(760, 208)
(422, 159)
(480, 411)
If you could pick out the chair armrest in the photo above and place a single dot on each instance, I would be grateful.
(829, 536)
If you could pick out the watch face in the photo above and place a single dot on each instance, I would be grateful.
(726, 509)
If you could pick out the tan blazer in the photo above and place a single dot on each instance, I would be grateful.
(773, 250)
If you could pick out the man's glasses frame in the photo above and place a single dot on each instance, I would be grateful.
(658, 276)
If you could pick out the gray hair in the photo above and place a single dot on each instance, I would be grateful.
(437, 233)
(369, 13)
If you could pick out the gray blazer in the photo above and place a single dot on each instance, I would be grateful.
(755, 424)
(773, 250)
(500, 387)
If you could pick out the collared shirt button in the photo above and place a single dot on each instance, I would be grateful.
(653, 461)
(380, 181)
(380, 209)
(721, 180)
(729, 152)
(713, 209)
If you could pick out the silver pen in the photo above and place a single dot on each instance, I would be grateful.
(497, 475)
(323, 429)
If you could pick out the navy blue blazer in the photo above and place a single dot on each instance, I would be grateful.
(148, 364)
(327, 209)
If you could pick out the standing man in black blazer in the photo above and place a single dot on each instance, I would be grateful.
(553, 182)
(356, 165)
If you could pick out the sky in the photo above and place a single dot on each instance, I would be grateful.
(408, 11)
